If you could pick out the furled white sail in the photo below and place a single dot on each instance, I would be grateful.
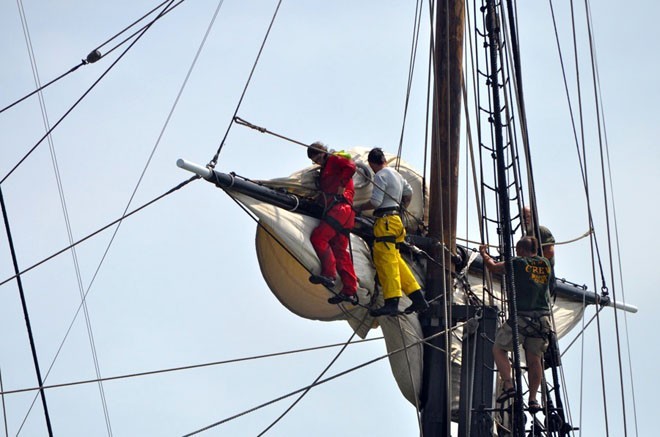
(286, 257)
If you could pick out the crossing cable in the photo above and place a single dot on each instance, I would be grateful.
(595, 252)
(112, 238)
(411, 70)
(214, 160)
(157, 143)
(114, 222)
(181, 368)
(4, 409)
(19, 283)
(67, 221)
(320, 382)
(599, 118)
(142, 33)
(620, 270)
(302, 395)
(95, 55)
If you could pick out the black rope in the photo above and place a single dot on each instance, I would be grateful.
(80, 99)
(214, 160)
(168, 192)
(320, 382)
(180, 368)
(302, 395)
(19, 283)
(411, 70)
(94, 55)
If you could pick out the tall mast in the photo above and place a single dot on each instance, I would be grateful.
(443, 201)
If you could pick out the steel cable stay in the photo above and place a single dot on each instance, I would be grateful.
(96, 55)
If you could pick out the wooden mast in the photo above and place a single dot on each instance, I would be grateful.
(443, 202)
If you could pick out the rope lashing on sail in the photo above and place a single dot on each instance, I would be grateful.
(114, 222)
(323, 381)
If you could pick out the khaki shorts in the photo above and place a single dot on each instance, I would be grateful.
(534, 339)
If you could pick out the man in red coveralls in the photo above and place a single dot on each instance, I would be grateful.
(330, 237)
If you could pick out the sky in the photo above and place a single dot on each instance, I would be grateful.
(180, 283)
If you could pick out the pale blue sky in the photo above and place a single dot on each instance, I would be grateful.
(181, 283)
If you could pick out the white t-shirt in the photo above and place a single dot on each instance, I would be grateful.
(389, 188)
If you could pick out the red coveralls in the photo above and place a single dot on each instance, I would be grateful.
(329, 243)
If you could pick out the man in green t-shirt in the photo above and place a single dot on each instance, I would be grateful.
(531, 275)
(547, 239)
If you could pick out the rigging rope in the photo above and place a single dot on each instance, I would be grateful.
(168, 192)
(411, 70)
(95, 55)
(77, 102)
(214, 160)
(67, 221)
(180, 368)
(302, 395)
(21, 293)
(320, 382)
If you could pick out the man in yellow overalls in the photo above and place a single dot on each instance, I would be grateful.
(389, 191)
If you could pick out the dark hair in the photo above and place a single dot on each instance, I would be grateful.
(376, 156)
(528, 244)
(316, 148)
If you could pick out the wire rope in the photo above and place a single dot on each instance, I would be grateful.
(77, 102)
(214, 160)
(181, 368)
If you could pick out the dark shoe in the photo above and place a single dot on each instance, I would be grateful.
(506, 395)
(534, 407)
(323, 280)
(419, 304)
(341, 297)
(391, 308)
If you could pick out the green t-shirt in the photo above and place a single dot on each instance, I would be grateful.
(531, 277)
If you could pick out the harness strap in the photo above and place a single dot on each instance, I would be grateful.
(336, 225)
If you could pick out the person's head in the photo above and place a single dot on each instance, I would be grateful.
(376, 159)
(527, 246)
(527, 215)
(317, 152)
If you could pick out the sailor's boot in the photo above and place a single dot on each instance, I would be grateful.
(326, 281)
(419, 304)
(391, 308)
